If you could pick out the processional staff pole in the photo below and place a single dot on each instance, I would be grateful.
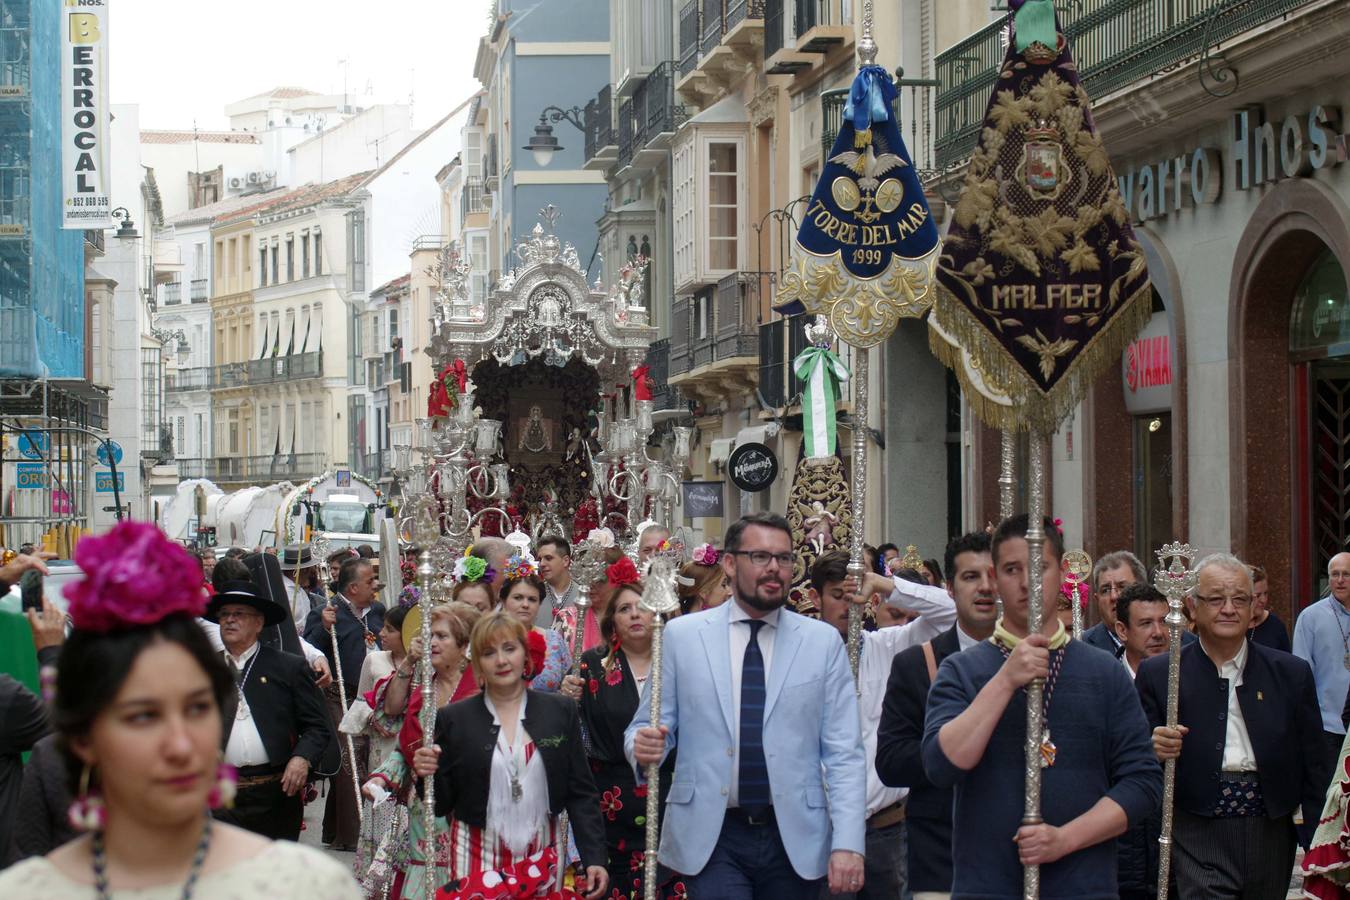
(1038, 737)
(318, 548)
(1175, 579)
(1007, 476)
(588, 564)
(658, 598)
(426, 531)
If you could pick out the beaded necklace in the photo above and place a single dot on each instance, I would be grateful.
(100, 863)
(1048, 749)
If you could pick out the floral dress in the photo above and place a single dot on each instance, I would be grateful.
(608, 702)
(557, 661)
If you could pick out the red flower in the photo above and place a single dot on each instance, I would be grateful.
(640, 791)
(537, 645)
(614, 677)
(623, 843)
(594, 686)
(635, 861)
(621, 573)
(610, 803)
(680, 890)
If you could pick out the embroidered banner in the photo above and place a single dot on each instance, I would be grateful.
(1041, 282)
(867, 246)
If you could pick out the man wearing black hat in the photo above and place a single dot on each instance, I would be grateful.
(300, 575)
(276, 725)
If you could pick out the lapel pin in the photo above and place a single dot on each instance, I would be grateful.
(1260, 696)
(263, 679)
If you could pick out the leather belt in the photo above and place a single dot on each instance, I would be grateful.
(758, 816)
(252, 776)
(888, 816)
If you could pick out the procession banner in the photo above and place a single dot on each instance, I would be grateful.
(85, 176)
(1041, 282)
(867, 247)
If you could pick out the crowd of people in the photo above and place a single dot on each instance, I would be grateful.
(194, 706)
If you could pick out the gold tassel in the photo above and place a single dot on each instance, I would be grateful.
(862, 139)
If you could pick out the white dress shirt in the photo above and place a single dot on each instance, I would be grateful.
(1238, 755)
(245, 747)
(212, 631)
(936, 612)
(963, 640)
(739, 638)
(1126, 663)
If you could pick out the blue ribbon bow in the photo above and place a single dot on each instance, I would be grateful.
(870, 98)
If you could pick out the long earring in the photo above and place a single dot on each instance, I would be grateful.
(86, 811)
(227, 785)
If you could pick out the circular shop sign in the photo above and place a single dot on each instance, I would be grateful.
(753, 467)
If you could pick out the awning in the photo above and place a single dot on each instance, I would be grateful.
(757, 434)
(719, 450)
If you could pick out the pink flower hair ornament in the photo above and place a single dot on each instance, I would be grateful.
(133, 575)
(706, 555)
(519, 566)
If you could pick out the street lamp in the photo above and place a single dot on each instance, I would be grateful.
(542, 144)
(127, 230)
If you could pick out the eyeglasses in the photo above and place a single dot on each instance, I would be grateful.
(1112, 590)
(1239, 602)
(760, 558)
(237, 614)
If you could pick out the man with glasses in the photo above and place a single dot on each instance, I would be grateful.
(276, 727)
(769, 790)
(1248, 746)
(1322, 637)
(1111, 575)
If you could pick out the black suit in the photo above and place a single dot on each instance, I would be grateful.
(288, 711)
(1099, 636)
(900, 764)
(1279, 707)
(467, 738)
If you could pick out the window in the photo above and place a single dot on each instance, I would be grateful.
(275, 278)
(290, 257)
(152, 415)
(262, 267)
(318, 253)
(393, 326)
(478, 252)
(682, 206)
(304, 255)
(198, 262)
(233, 432)
(356, 250)
(723, 213)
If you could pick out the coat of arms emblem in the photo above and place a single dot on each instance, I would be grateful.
(1043, 170)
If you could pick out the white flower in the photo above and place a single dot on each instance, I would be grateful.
(601, 537)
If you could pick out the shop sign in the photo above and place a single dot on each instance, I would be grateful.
(1146, 368)
(1261, 152)
(753, 467)
(85, 115)
(703, 499)
(103, 481)
(31, 476)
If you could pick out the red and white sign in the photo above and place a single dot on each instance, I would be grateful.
(1146, 368)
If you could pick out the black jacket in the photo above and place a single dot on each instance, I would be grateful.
(900, 764)
(288, 708)
(43, 821)
(23, 720)
(467, 738)
(1279, 707)
(351, 639)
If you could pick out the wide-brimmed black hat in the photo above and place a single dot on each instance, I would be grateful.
(243, 593)
(297, 556)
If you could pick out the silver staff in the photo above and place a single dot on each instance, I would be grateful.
(659, 599)
(1077, 570)
(318, 548)
(1007, 475)
(1038, 731)
(857, 564)
(588, 564)
(426, 531)
(1175, 579)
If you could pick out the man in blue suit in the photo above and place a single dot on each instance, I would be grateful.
(769, 790)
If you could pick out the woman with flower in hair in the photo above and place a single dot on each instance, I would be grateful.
(612, 678)
(473, 583)
(702, 584)
(396, 870)
(600, 594)
(549, 658)
(139, 694)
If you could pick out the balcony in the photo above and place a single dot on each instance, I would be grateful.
(197, 292)
(602, 145)
(1115, 44)
(779, 59)
(271, 370)
(625, 134)
(773, 364)
(656, 116)
(95, 238)
(472, 199)
(679, 359)
(824, 26)
(295, 467)
(913, 113)
(373, 465)
(491, 177)
(724, 349)
(718, 40)
(173, 293)
(196, 379)
(664, 397)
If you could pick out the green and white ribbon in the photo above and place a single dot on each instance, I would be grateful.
(822, 372)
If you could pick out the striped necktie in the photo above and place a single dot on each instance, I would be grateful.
(754, 795)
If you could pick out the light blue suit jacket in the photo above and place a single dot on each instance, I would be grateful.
(812, 740)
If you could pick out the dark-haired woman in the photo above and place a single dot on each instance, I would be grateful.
(612, 679)
(138, 714)
(550, 657)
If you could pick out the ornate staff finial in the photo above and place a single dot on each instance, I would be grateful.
(867, 47)
(912, 559)
(1175, 578)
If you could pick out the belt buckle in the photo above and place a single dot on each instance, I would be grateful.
(763, 818)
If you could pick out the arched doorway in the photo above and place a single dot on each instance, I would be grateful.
(1295, 229)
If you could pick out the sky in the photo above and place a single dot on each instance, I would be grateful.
(182, 60)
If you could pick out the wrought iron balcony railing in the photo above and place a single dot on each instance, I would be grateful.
(173, 293)
(197, 292)
(740, 10)
(196, 379)
(261, 469)
(736, 319)
(625, 132)
(1115, 43)
(772, 364)
(472, 199)
(270, 370)
(775, 12)
(714, 25)
(681, 353)
(690, 32)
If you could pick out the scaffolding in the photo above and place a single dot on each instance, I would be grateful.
(50, 432)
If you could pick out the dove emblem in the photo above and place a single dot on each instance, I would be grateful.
(869, 167)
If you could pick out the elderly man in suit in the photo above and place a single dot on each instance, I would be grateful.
(276, 728)
(1248, 745)
(899, 756)
(769, 790)
(1111, 575)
